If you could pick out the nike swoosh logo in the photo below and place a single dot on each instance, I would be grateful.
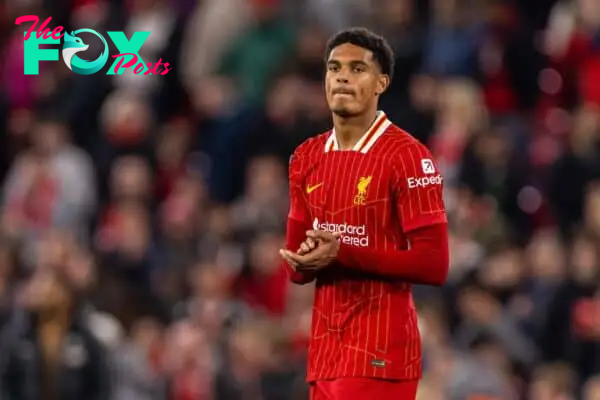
(310, 189)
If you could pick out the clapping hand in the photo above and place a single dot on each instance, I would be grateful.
(318, 251)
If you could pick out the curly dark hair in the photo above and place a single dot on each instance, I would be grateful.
(363, 37)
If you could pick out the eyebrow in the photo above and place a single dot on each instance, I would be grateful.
(353, 63)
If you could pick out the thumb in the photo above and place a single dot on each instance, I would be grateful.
(337, 235)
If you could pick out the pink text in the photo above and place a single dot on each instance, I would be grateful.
(140, 67)
(42, 31)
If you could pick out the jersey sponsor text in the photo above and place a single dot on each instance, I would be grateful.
(352, 235)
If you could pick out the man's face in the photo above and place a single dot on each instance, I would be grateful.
(353, 80)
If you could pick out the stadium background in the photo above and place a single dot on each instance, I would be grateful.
(160, 201)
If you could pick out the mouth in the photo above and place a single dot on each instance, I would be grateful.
(343, 92)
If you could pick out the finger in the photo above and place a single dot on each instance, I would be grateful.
(337, 235)
(293, 265)
(311, 243)
(307, 262)
(320, 235)
(305, 248)
(285, 254)
(298, 259)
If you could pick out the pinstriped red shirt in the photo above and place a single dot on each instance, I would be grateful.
(365, 325)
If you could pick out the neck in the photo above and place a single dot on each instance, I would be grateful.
(349, 130)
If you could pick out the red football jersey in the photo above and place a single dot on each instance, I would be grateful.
(365, 325)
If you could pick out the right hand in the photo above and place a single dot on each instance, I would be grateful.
(317, 251)
(307, 246)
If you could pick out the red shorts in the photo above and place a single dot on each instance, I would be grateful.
(363, 389)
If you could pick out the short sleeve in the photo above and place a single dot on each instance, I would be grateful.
(419, 188)
(298, 209)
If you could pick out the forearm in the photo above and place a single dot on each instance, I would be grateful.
(295, 235)
(426, 262)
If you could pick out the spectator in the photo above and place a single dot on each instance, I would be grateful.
(268, 37)
(51, 325)
(52, 186)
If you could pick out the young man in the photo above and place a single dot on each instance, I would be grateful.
(366, 221)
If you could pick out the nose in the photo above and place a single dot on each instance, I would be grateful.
(341, 78)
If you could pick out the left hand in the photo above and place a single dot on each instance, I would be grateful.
(319, 257)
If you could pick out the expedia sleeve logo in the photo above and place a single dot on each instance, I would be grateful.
(425, 181)
(352, 235)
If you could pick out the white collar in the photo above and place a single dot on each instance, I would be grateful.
(377, 128)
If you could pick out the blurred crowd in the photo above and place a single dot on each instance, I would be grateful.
(141, 216)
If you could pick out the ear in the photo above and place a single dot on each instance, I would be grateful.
(383, 81)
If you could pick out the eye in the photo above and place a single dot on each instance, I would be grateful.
(358, 69)
(333, 68)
